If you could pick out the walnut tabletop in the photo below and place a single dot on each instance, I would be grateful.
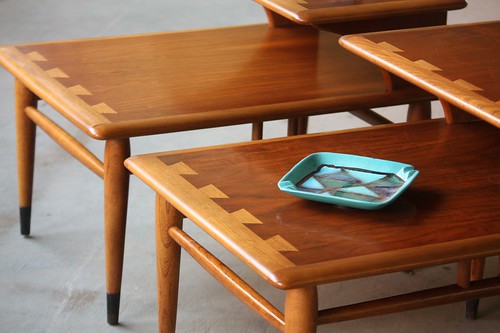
(344, 16)
(458, 64)
(449, 214)
(147, 84)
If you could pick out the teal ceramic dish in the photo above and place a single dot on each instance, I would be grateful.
(348, 180)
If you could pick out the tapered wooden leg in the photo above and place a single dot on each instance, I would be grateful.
(302, 125)
(168, 265)
(301, 310)
(293, 126)
(419, 111)
(476, 273)
(26, 135)
(116, 185)
(257, 131)
(297, 126)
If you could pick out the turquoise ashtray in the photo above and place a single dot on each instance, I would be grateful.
(348, 180)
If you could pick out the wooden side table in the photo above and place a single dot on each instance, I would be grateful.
(459, 64)
(355, 16)
(449, 214)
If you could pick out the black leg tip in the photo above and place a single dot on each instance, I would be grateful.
(113, 304)
(25, 217)
(472, 308)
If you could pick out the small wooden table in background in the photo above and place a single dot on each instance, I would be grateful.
(459, 64)
(353, 16)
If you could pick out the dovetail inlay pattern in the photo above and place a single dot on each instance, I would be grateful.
(77, 90)
(241, 216)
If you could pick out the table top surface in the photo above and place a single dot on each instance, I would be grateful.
(450, 212)
(317, 12)
(458, 64)
(148, 84)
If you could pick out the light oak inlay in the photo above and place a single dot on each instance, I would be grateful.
(213, 192)
(35, 56)
(182, 169)
(246, 217)
(57, 73)
(280, 244)
(427, 65)
(79, 91)
(103, 108)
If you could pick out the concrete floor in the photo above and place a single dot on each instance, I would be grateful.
(53, 281)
